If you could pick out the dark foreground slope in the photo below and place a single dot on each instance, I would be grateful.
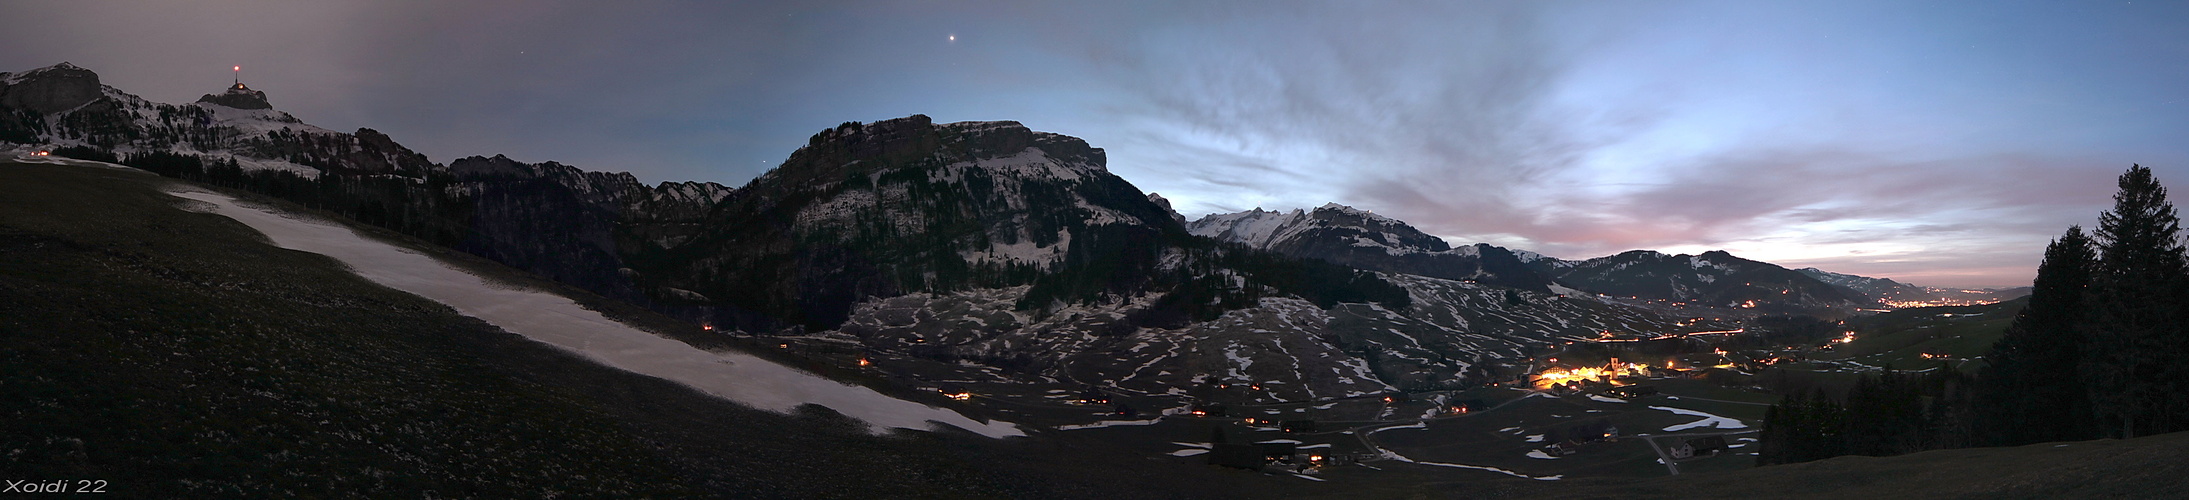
(176, 354)
(2146, 467)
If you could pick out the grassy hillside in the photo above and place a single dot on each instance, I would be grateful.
(177, 354)
(2147, 467)
(1901, 337)
(174, 353)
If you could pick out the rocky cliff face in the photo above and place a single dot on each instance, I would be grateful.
(576, 226)
(51, 89)
(238, 97)
(908, 205)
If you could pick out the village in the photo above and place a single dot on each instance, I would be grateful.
(1577, 412)
(1611, 405)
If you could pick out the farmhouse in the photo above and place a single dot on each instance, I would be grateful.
(1631, 391)
(1702, 446)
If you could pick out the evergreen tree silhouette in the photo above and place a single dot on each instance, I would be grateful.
(2136, 297)
(2034, 388)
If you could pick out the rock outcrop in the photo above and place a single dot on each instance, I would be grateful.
(52, 89)
(239, 97)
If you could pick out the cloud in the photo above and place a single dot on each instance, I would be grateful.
(1474, 131)
(1350, 99)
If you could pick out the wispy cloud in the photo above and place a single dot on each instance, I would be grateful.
(1475, 132)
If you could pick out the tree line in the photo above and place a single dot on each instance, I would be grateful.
(1882, 415)
(421, 207)
(2097, 353)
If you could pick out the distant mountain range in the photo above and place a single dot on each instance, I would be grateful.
(1364, 240)
(1713, 279)
(971, 244)
(1893, 294)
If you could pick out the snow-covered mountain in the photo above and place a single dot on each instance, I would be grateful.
(1362, 239)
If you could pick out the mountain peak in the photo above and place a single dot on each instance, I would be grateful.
(917, 142)
(1353, 237)
(1160, 201)
(50, 89)
(500, 166)
(239, 97)
(63, 67)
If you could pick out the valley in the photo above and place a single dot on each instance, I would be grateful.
(904, 307)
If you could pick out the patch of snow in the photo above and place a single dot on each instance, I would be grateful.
(1707, 421)
(1402, 458)
(1415, 425)
(837, 211)
(1605, 399)
(1539, 454)
(1108, 423)
(1253, 228)
(1188, 452)
(1023, 252)
(1029, 163)
(1535, 438)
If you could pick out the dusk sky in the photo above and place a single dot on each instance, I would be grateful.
(1938, 143)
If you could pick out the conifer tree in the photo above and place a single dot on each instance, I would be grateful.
(2136, 298)
(2033, 389)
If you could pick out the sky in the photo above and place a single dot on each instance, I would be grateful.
(1938, 143)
